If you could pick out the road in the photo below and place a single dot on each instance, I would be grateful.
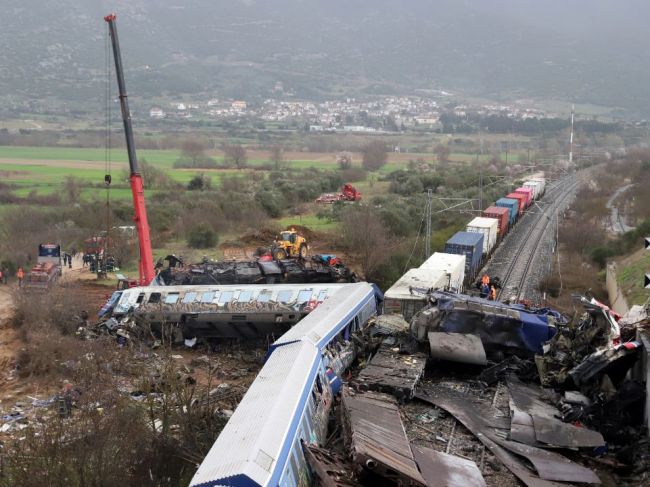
(616, 220)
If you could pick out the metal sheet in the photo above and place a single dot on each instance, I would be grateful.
(377, 437)
(457, 347)
(443, 470)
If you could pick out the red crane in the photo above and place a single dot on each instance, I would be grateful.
(146, 268)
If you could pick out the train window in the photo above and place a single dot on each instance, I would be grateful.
(264, 296)
(304, 296)
(294, 466)
(207, 297)
(226, 297)
(284, 296)
(189, 297)
(154, 298)
(319, 385)
(216, 297)
(171, 298)
(322, 295)
(140, 298)
(245, 296)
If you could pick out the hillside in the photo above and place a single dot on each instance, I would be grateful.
(54, 52)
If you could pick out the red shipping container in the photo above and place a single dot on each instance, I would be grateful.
(529, 192)
(501, 214)
(522, 200)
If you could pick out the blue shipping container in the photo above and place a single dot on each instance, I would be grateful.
(512, 205)
(469, 244)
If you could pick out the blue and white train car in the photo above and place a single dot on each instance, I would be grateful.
(289, 401)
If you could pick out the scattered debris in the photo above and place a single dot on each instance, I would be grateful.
(328, 467)
(392, 372)
(489, 426)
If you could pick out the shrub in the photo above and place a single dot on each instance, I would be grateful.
(202, 237)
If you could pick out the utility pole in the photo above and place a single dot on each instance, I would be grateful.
(480, 184)
(571, 138)
(427, 238)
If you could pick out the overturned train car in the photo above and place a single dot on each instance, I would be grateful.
(290, 400)
(237, 311)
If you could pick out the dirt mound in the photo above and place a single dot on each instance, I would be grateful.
(263, 236)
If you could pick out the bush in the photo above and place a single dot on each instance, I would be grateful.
(202, 237)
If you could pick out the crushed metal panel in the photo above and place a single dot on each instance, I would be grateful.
(521, 427)
(549, 429)
(377, 437)
(392, 372)
(444, 470)
(457, 347)
(552, 466)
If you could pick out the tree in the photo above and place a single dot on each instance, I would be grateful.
(277, 156)
(344, 160)
(235, 155)
(72, 187)
(442, 152)
(193, 155)
(374, 155)
(202, 237)
(367, 237)
(199, 182)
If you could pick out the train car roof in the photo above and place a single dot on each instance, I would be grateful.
(254, 439)
(318, 326)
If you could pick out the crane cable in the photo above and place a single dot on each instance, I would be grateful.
(107, 136)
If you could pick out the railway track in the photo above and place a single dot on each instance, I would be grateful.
(514, 260)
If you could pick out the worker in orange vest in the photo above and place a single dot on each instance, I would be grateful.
(485, 280)
(20, 275)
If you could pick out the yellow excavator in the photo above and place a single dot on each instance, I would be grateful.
(289, 245)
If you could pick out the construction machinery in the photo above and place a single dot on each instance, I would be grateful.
(289, 245)
(48, 268)
(348, 193)
(146, 267)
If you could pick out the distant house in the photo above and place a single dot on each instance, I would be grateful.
(315, 128)
(238, 105)
(181, 107)
(157, 112)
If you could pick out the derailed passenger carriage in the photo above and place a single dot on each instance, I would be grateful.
(289, 401)
(236, 311)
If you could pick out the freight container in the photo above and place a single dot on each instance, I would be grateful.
(512, 205)
(400, 299)
(452, 264)
(536, 186)
(470, 245)
(502, 215)
(522, 201)
(542, 183)
(489, 227)
(528, 193)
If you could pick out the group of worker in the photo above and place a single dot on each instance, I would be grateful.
(488, 290)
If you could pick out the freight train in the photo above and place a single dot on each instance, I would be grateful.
(464, 253)
(289, 402)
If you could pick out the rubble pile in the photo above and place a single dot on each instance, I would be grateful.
(571, 412)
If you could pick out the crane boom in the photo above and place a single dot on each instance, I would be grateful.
(146, 268)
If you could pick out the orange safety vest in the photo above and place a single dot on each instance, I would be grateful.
(485, 279)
